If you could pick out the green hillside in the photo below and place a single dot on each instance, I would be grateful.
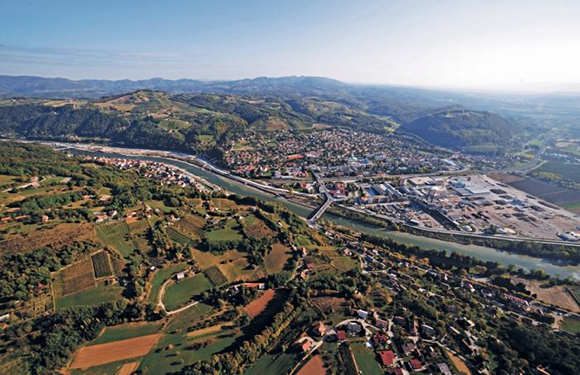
(200, 123)
(464, 129)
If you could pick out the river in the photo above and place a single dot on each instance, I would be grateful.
(483, 253)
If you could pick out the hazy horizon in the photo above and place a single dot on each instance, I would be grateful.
(462, 45)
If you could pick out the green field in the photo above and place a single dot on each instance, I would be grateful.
(178, 294)
(126, 331)
(174, 350)
(273, 364)
(570, 324)
(114, 235)
(366, 360)
(344, 263)
(159, 278)
(178, 237)
(106, 369)
(227, 234)
(92, 296)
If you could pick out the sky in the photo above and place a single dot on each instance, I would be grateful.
(431, 43)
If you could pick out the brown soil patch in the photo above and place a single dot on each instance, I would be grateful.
(556, 295)
(277, 258)
(315, 366)
(258, 229)
(257, 306)
(506, 178)
(128, 368)
(131, 220)
(74, 278)
(95, 355)
(459, 364)
(328, 304)
(59, 236)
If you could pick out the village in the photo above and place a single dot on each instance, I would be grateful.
(403, 343)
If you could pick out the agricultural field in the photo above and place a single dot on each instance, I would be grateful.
(344, 263)
(59, 236)
(570, 324)
(95, 355)
(268, 303)
(127, 331)
(557, 295)
(232, 263)
(575, 293)
(175, 348)
(101, 264)
(13, 364)
(114, 235)
(566, 171)
(74, 278)
(229, 233)
(561, 196)
(215, 276)
(366, 359)
(256, 228)
(191, 225)
(327, 305)
(314, 366)
(275, 261)
(176, 236)
(274, 364)
(180, 293)
(93, 296)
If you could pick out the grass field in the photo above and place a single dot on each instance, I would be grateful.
(366, 360)
(227, 234)
(175, 349)
(126, 331)
(159, 278)
(273, 364)
(570, 324)
(344, 263)
(274, 262)
(93, 296)
(114, 235)
(106, 369)
(176, 236)
(178, 294)
(232, 263)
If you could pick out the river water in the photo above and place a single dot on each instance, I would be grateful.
(483, 253)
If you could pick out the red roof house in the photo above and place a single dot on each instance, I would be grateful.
(387, 357)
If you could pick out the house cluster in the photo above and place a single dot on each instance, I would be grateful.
(336, 153)
(165, 174)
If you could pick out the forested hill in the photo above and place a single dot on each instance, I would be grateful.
(188, 122)
(464, 129)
